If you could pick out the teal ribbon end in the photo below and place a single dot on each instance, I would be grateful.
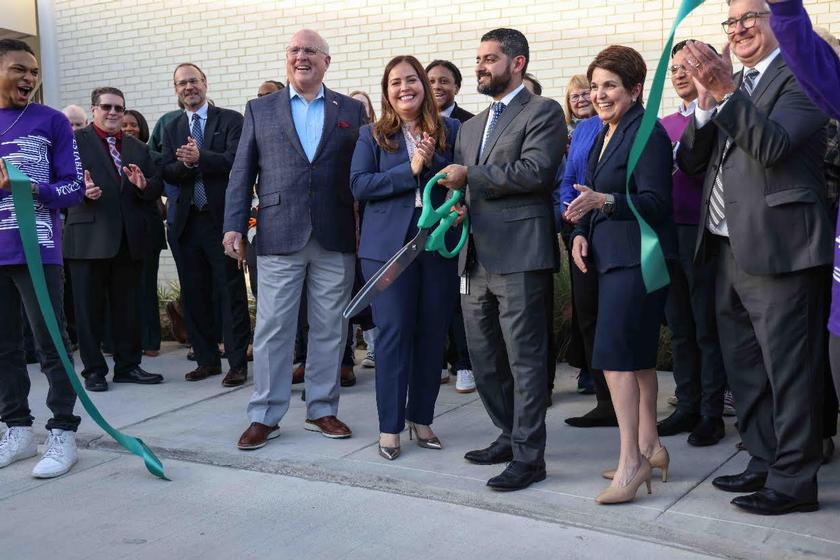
(25, 213)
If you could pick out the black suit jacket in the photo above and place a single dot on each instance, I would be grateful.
(774, 184)
(615, 240)
(221, 138)
(460, 114)
(94, 228)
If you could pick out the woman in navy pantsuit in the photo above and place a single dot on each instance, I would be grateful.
(394, 159)
(627, 330)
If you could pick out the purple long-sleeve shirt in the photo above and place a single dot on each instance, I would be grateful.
(817, 68)
(41, 145)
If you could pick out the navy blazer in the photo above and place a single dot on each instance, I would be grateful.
(221, 138)
(384, 181)
(615, 241)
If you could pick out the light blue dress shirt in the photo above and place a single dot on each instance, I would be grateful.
(309, 119)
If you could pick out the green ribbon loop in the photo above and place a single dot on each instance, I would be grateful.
(654, 269)
(25, 211)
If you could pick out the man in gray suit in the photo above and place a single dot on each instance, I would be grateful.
(300, 142)
(506, 158)
(765, 219)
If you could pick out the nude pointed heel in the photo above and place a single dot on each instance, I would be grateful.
(613, 495)
(659, 460)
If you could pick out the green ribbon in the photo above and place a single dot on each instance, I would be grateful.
(25, 211)
(654, 270)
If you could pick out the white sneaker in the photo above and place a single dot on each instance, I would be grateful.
(60, 455)
(18, 443)
(368, 361)
(465, 382)
(444, 376)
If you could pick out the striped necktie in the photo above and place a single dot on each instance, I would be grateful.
(115, 155)
(716, 202)
(495, 112)
(199, 198)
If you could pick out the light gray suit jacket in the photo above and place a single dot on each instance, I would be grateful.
(509, 186)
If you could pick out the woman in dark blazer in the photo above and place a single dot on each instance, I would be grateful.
(627, 330)
(394, 159)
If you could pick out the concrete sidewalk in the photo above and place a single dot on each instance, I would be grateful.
(193, 424)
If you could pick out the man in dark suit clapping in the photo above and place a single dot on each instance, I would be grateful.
(199, 147)
(765, 219)
(299, 141)
(506, 158)
(105, 240)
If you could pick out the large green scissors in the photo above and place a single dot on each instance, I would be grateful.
(433, 224)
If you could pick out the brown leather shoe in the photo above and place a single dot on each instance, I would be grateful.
(297, 375)
(203, 372)
(235, 377)
(256, 436)
(329, 426)
(348, 378)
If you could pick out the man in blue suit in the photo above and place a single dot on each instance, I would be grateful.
(300, 142)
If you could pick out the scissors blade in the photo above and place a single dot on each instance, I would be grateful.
(386, 275)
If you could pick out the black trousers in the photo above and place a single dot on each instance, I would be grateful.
(148, 304)
(690, 311)
(772, 336)
(113, 282)
(205, 270)
(585, 301)
(15, 291)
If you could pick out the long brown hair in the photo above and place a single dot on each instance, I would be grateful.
(355, 92)
(385, 129)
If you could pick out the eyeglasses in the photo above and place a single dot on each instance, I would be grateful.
(677, 68)
(107, 107)
(575, 97)
(308, 51)
(747, 21)
(190, 82)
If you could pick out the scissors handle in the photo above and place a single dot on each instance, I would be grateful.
(444, 217)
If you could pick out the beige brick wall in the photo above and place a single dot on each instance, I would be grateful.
(135, 44)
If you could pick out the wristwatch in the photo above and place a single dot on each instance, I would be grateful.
(609, 204)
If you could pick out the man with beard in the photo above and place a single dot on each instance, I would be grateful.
(506, 159)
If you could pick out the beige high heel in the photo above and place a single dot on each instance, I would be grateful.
(431, 443)
(612, 495)
(659, 460)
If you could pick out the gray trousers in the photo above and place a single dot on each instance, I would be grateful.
(328, 278)
(772, 330)
(505, 317)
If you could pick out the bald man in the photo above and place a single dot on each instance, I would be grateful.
(77, 117)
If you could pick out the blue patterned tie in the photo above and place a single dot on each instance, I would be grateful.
(716, 203)
(495, 112)
(199, 198)
(115, 155)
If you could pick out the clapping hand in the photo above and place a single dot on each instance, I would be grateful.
(92, 192)
(423, 154)
(710, 71)
(188, 154)
(135, 175)
(587, 200)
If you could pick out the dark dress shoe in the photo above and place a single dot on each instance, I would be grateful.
(139, 376)
(708, 431)
(348, 378)
(516, 476)
(769, 502)
(297, 375)
(96, 383)
(235, 377)
(256, 436)
(677, 423)
(599, 417)
(203, 372)
(747, 481)
(496, 453)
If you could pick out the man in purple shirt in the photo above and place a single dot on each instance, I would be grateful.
(38, 141)
(698, 365)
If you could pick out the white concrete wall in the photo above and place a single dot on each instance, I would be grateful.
(135, 44)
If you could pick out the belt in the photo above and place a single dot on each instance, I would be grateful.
(197, 210)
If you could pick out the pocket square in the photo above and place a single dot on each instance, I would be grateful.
(343, 124)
